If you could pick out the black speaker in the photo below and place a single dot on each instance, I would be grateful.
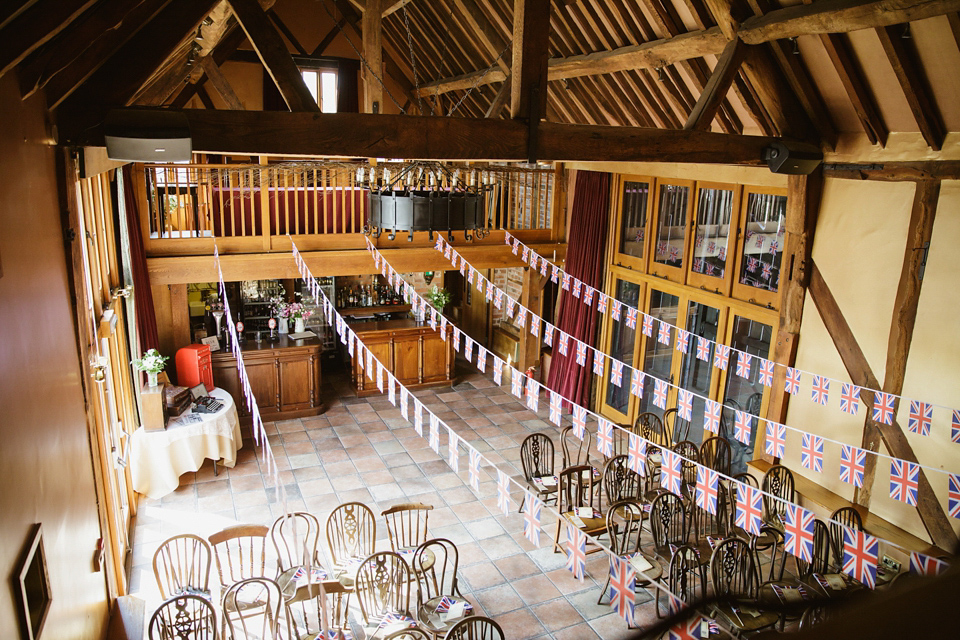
(793, 159)
(148, 135)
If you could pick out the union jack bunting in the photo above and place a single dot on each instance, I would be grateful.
(921, 414)
(453, 450)
(525, 254)
(566, 281)
(562, 340)
(556, 407)
(926, 565)
(581, 353)
(637, 455)
(955, 426)
(883, 407)
(433, 319)
(860, 552)
(904, 481)
(821, 389)
(811, 452)
(742, 426)
(711, 416)
(443, 328)
(743, 364)
(576, 551)
(579, 421)
(531, 519)
(660, 393)
(685, 404)
(380, 374)
(776, 439)
(507, 238)
(456, 339)
(470, 276)
(953, 495)
(689, 629)
(548, 334)
(671, 475)
(516, 246)
(707, 481)
(418, 416)
(647, 325)
(555, 276)
(852, 463)
(617, 310)
(498, 298)
(721, 355)
(503, 492)
(683, 340)
(598, 360)
(533, 395)
(391, 389)
(516, 383)
(798, 532)
(623, 580)
(446, 251)
(632, 318)
(791, 382)
(703, 349)
(468, 348)
(434, 433)
(749, 508)
(404, 403)
(636, 382)
(616, 373)
(490, 290)
(766, 372)
(849, 398)
(576, 288)
(474, 469)
(511, 306)
(602, 302)
(544, 266)
(605, 437)
(588, 295)
(521, 319)
(534, 325)
(497, 370)
(759, 242)
(663, 334)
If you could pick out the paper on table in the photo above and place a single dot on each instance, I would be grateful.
(456, 610)
(584, 512)
(549, 481)
(640, 563)
(577, 522)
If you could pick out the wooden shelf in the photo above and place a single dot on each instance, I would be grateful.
(387, 308)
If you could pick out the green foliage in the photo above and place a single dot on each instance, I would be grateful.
(438, 297)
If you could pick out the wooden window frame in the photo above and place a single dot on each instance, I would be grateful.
(753, 295)
(711, 283)
(613, 275)
(624, 259)
(660, 270)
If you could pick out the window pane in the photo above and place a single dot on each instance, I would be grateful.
(695, 374)
(714, 210)
(657, 357)
(763, 241)
(634, 222)
(310, 79)
(328, 93)
(621, 346)
(745, 394)
(671, 224)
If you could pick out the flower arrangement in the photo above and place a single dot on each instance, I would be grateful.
(294, 310)
(151, 362)
(438, 297)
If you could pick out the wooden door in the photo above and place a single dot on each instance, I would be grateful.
(263, 373)
(436, 358)
(225, 376)
(296, 382)
(381, 350)
(406, 358)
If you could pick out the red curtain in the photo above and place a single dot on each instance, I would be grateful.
(585, 260)
(142, 293)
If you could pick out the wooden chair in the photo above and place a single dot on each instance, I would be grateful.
(625, 524)
(734, 575)
(407, 525)
(677, 427)
(650, 427)
(744, 478)
(843, 517)
(668, 524)
(475, 628)
(778, 480)
(436, 563)
(383, 587)
(576, 490)
(708, 526)
(537, 460)
(409, 634)
(715, 454)
(686, 579)
(688, 466)
(575, 451)
(620, 482)
(240, 552)
(351, 536)
(254, 609)
(184, 617)
(822, 550)
(181, 565)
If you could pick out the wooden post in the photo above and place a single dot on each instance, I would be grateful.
(531, 297)
(373, 54)
(180, 316)
(531, 35)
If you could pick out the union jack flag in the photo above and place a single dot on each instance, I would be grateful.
(722, 254)
(660, 393)
(556, 407)
(883, 407)
(849, 394)
(721, 356)
(742, 426)
(533, 395)
(616, 373)
(661, 248)
(490, 289)
(743, 364)
(623, 579)
(605, 437)
(617, 310)
(707, 481)
(531, 519)
(711, 416)
(453, 450)
(751, 264)
(759, 242)
(544, 266)
(555, 275)
(468, 349)
(860, 552)
(683, 340)
(579, 421)
(588, 295)
(475, 469)
(637, 454)
(663, 335)
(470, 275)
(521, 319)
(380, 376)
(511, 306)
(766, 372)
(904, 481)
(516, 246)
(391, 389)
(566, 281)
(711, 246)
(821, 389)
(798, 532)
(434, 433)
(811, 452)
(602, 303)
(498, 298)
(433, 319)
(749, 508)
(548, 334)
(525, 254)
(534, 324)
(852, 462)
(632, 318)
(516, 383)
(503, 492)
(576, 288)
(953, 495)
(698, 265)
(685, 404)
(507, 237)
(647, 325)
(404, 403)
(581, 353)
(576, 551)
(598, 360)
(446, 251)
(776, 439)
(766, 271)
(689, 629)
(636, 382)
(497, 371)
(955, 426)
(926, 565)
(418, 417)
(791, 382)
(703, 349)
(563, 343)
(674, 253)
(774, 246)
(921, 414)
(671, 477)
(699, 241)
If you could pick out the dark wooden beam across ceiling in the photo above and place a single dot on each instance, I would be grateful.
(531, 37)
(728, 66)
(36, 26)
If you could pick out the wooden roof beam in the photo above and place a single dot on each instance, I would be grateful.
(35, 26)
(856, 87)
(715, 91)
(531, 37)
(372, 72)
(392, 7)
(232, 38)
(486, 33)
(220, 83)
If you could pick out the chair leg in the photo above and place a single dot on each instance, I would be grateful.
(603, 591)
(556, 543)
(520, 510)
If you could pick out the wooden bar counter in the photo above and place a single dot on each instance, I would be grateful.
(284, 376)
(414, 353)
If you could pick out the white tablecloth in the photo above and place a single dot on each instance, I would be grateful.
(159, 458)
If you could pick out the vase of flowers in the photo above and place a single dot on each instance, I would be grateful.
(151, 362)
(296, 311)
(438, 297)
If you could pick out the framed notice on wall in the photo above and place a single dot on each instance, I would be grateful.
(32, 585)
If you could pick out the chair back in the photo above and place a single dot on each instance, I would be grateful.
(778, 553)
(383, 586)
(715, 454)
(575, 488)
(620, 482)
(778, 480)
(536, 456)
(409, 634)
(843, 517)
(181, 564)
(351, 532)
(254, 610)
(733, 569)
(407, 525)
(240, 552)
(744, 478)
(624, 524)
(822, 548)
(677, 427)
(184, 617)
(295, 537)
(435, 563)
(650, 427)
(716, 524)
(686, 576)
(575, 451)
(668, 521)
(475, 628)
(688, 465)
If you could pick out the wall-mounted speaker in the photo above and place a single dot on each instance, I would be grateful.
(148, 135)
(793, 159)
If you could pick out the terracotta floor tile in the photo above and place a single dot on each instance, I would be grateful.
(520, 625)
(499, 600)
(535, 589)
(557, 614)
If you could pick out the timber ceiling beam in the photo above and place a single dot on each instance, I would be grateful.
(274, 55)
(372, 72)
(477, 22)
(531, 39)
(220, 83)
(895, 171)
(287, 33)
(776, 97)
(224, 49)
(851, 77)
(499, 101)
(712, 96)
(392, 6)
(36, 26)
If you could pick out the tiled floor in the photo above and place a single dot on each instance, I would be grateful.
(363, 450)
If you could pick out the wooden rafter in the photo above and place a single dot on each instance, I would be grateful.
(393, 6)
(328, 39)
(531, 36)
(220, 83)
(485, 31)
(36, 26)
(851, 77)
(728, 66)
(896, 171)
(232, 38)
(499, 101)
(372, 72)
(285, 30)
(776, 96)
